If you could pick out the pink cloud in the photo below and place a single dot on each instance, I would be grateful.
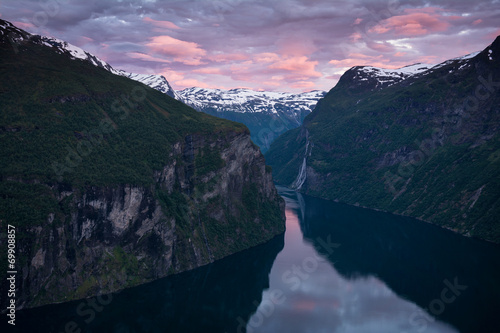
(172, 75)
(242, 73)
(335, 77)
(295, 45)
(379, 29)
(380, 46)
(364, 56)
(161, 24)
(355, 59)
(84, 40)
(415, 22)
(146, 57)
(358, 20)
(431, 59)
(23, 25)
(493, 35)
(208, 70)
(297, 67)
(271, 83)
(188, 53)
(303, 85)
(191, 61)
(266, 57)
(478, 21)
(355, 37)
(228, 57)
(187, 83)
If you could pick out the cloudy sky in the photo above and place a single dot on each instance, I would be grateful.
(280, 45)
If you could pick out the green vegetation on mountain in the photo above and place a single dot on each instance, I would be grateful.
(111, 183)
(427, 146)
(111, 129)
(65, 120)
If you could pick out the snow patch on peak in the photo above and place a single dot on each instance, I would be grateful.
(387, 77)
(402, 72)
(246, 100)
(75, 52)
(383, 77)
(457, 59)
(158, 82)
(467, 56)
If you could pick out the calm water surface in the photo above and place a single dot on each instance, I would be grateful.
(348, 269)
(337, 269)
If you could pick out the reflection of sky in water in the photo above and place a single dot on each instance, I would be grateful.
(307, 294)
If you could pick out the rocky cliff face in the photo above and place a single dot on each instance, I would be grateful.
(121, 236)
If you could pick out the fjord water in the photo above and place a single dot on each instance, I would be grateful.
(349, 269)
(338, 268)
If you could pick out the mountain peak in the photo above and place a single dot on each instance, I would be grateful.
(17, 37)
(9, 33)
(247, 100)
(155, 81)
(360, 79)
(494, 48)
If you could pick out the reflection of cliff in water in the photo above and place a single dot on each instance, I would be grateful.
(208, 299)
(413, 258)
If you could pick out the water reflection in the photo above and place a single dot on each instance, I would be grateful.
(340, 269)
(416, 260)
(346, 269)
(215, 298)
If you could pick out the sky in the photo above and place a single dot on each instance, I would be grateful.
(275, 45)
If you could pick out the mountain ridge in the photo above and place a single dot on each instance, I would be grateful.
(424, 146)
(278, 111)
(240, 99)
(110, 183)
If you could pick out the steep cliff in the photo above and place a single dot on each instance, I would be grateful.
(422, 141)
(120, 236)
(110, 184)
(218, 297)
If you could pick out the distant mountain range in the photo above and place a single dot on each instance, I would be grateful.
(266, 114)
(422, 141)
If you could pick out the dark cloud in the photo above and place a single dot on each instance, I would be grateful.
(281, 45)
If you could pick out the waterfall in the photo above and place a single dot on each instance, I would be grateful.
(301, 177)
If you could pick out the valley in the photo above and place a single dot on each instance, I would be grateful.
(228, 166)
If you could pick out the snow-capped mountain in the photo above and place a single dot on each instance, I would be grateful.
(377, 78)
(18, 35)
(387, 77)
(158, 82)
(246, 100)
(266, 114)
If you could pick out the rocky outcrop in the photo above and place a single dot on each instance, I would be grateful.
(215, 198)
